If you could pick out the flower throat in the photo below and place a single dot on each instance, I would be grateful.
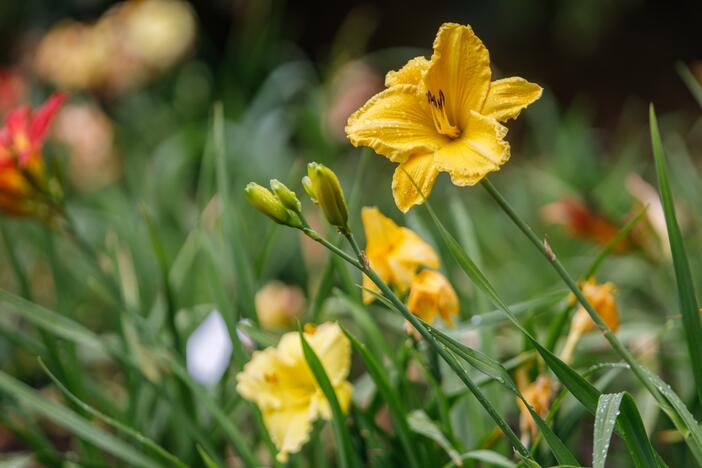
(441, 120)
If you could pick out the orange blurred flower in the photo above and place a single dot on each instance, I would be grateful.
(601, 297)
(538, 394)
(23, 184)
(583, 223)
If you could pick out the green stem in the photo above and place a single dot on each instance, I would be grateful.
(617, 345)
(445, 354)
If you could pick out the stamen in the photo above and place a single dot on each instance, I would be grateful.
(441, 120)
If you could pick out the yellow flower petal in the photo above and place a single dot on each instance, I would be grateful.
(432, 293)
(320, 405)
(396, 123)
(423, 172)
(255, 382)
(381, 231)
(411, 73)
(289, 428)
(333, 349)
(410, 253)
(507, 97)
(460, 70)
(480, 150)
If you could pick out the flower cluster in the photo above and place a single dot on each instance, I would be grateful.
(396, 253)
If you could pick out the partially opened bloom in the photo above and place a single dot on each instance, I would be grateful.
(442, 115)
(279, 381)
(431, 294)
(22, 174)
(395, 253)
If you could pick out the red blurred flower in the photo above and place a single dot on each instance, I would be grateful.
(583, 223)
(21, 164)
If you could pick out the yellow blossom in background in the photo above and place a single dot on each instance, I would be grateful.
(431, 294)
(394, 253)
(601, 297)
(279, 381)
(442, 115)
(278, 305)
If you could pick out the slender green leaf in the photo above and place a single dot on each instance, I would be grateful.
(65, 417)
(345, 452)
(132, 433)
(690, 81)
(206, 459)
(421, 424)
(686, 290)
(691, 430)
(370, 329)
(395, 405)
(605, 420)
(487, 456)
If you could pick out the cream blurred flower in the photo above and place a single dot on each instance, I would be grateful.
(278, 305)
(126, 47)
(89, 136)
(279, 381)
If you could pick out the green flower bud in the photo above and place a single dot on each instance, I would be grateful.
(325, 185)
(307, 185)
(286, 196)
(264, 201)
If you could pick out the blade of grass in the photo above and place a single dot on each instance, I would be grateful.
(692, 325)
(486, 456)
(63, 416)
(346, 456)
(605, 419)
(690, 81)
(422, 424)
(395, 405)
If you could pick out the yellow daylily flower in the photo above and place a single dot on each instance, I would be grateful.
(394, 253)
(279, 381)
(432, 294)
(442, 115)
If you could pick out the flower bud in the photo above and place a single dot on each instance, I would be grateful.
(307, 185)
(264, 201)
(286, 196)
(330, 196)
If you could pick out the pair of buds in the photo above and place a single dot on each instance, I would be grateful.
(282, 205)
